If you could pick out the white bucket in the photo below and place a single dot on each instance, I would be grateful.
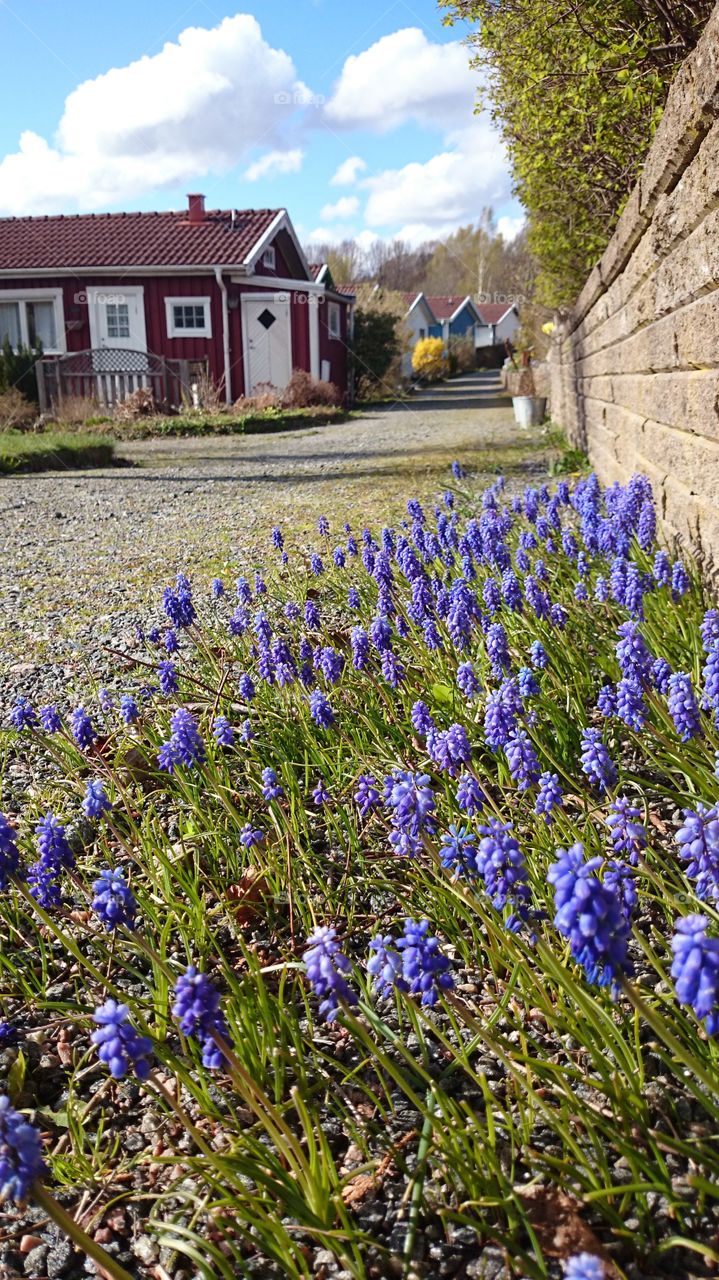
(529, 411)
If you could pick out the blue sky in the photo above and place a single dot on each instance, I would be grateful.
(358, 118)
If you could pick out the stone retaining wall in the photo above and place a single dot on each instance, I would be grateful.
(635, 364)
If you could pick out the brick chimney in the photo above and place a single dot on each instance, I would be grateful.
(195, 208)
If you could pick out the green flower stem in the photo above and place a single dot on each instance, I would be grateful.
(650, 1015)
(76, 1233)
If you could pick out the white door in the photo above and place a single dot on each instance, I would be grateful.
(267, 341)
(117, 319)
(119, 342)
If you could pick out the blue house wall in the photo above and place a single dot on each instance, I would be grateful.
(462, 324)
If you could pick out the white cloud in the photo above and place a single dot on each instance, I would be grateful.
(348, 172)
(274, 162)
(509, 227)
(446, 191)
(346, 207)
(199, 106)
(404, 76)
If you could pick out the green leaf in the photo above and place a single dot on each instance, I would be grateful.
(16, 1076)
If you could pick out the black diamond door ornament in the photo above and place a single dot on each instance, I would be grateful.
(266, 319)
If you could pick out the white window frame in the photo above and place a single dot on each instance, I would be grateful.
(172, 332)
(22, 296)
(333, 311)
(269, 258)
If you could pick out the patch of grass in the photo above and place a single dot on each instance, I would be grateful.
(52, 451)
(263, 421)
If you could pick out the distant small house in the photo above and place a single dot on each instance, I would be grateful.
(418, 322)
(123, 301)
(455, 317)
(498, 322)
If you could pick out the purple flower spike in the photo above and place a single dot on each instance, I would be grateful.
(21, 1159)
(119, 1045)
(327, 969)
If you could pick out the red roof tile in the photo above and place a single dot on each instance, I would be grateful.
(131, 239)
(445, 305)
(315, 268)
(350, 290)
(492, 312)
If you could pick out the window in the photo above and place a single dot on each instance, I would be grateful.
(422, 334)
(333, 319)
(269, 258)
(118, 319)
(32, 318)
(188, 317)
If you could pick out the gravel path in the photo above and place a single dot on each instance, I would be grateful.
(84, 552)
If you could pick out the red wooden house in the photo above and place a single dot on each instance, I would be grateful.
(122, 300)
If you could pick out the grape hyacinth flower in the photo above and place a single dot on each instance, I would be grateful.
(197, 1008)
(503, 868)
(425, 970)
(50, 719)
(467, 680)
(119, 1045)
(607, 701)
(222, 731)
(21, 1159)
(633, 656)
(23, 715)
(246, 733)
(619, 878)
(698, 841)
(683, 706)
(167, 675)
(680, 581)
(271, 788)
(172, 644)
(55, 852)
(596, 761)
(81, 728)
(246, 687)
(629, 835)
(96, 802)
(320, 795)
(469, 795)
(320, 710)
(217, 588)
(590, 915)
(458, 852)
(44, 885)
(185, 745)
(449, 750)
(367, 794)
(113, 901)
(422, 721)
(385, 965)
(251, 836)
(411, 801)
(695, 969)
(630, 706)
(497, 648)
(522, 759)
(327, 969)
(661, 675)
(549, 797)
(527, 682)
(500, 720)
(584, 1266)
(129, 710)
(537, 655)
(709, 629)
